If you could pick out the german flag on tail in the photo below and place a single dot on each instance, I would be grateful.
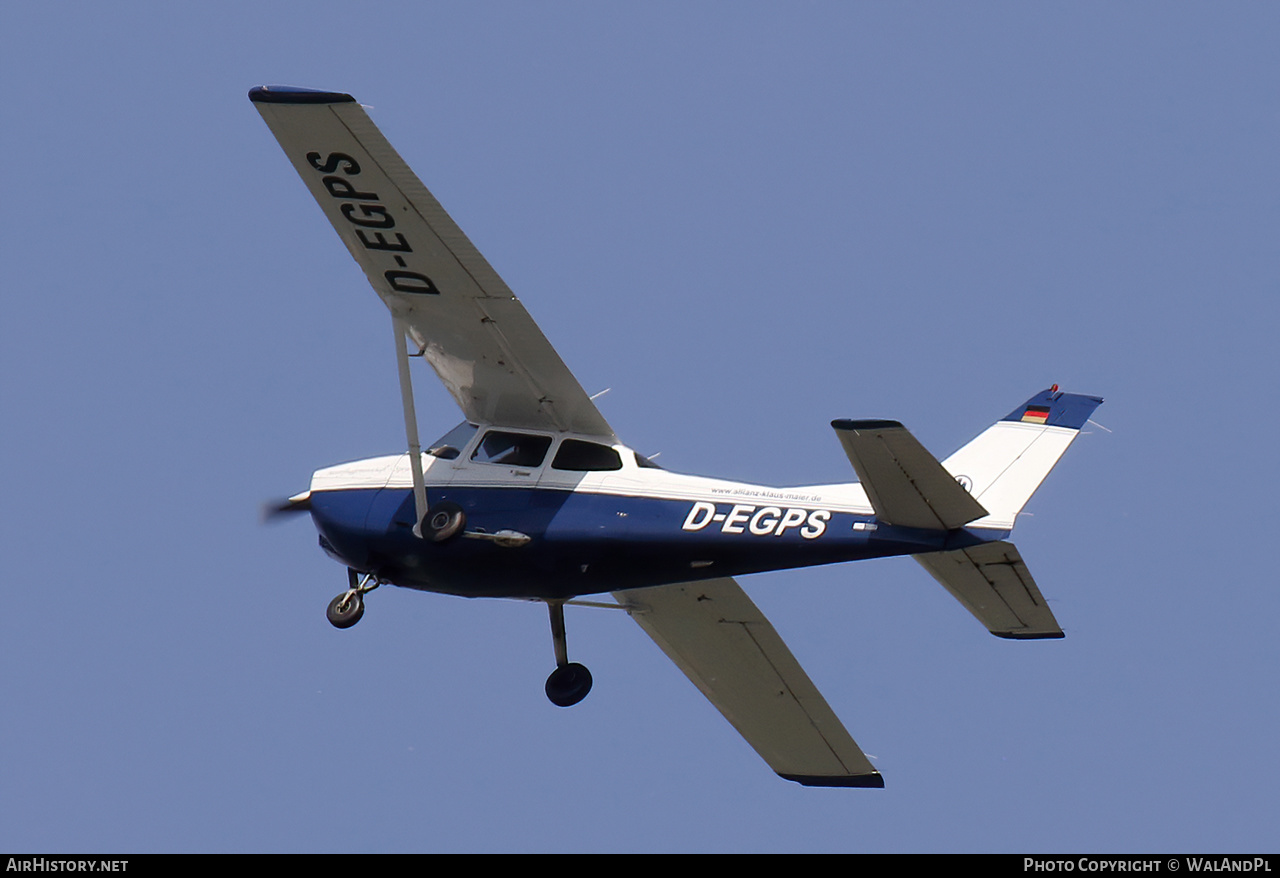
(1052, 408)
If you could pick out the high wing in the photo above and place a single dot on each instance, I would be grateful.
(477, 336)
(725, 645)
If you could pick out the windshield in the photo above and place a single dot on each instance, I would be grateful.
(450, 445)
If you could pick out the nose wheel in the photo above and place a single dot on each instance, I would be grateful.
(570, 682)
(347, 608)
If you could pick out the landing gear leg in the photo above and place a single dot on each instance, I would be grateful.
(570, 682)
(346, 609)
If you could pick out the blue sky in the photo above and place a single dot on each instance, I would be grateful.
(745, 219)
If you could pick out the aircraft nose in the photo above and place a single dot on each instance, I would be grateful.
(340, 517)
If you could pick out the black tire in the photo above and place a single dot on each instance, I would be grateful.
(345, 610)
(444, 521)
(568, 684)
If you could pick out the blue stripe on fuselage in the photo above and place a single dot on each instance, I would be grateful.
(585, 543)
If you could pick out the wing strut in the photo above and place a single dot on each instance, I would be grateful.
(410, 424)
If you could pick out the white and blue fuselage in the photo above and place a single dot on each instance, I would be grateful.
(614, 520)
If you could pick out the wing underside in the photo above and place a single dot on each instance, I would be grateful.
(719, 638)
(477, 336)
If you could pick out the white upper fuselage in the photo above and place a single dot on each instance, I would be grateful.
(631, 480)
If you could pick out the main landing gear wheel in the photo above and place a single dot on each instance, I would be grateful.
(444, 521)
(345, 610)
(568, 684)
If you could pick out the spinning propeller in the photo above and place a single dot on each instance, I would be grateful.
(274, 510)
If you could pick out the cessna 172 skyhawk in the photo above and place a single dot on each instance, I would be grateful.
(533, 497)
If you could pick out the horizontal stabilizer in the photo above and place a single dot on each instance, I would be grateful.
(906, 484)
(728, 649)
(995, 585)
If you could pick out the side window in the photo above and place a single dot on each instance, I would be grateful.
(574, 454)
(512, 449)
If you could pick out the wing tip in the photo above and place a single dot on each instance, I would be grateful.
(292, 94)
(874, 780)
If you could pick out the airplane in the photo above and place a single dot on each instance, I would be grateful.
(533, 496)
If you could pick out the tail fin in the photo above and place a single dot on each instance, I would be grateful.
(1006, 463)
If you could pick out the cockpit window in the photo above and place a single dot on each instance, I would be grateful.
(512, 449)
(574, 454)
(450, 445)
